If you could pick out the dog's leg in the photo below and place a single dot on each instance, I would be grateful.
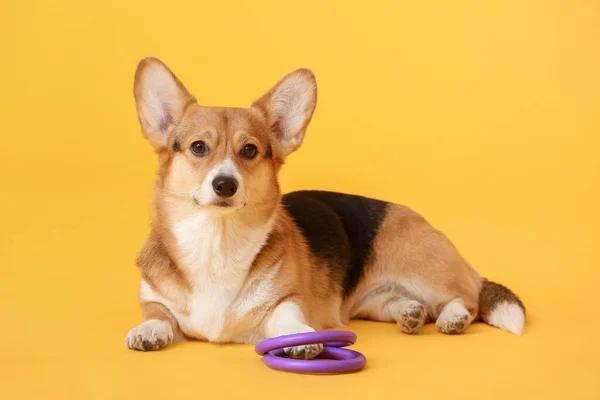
(454, 317)
(156, 331)
(286, 319)
(390, 304)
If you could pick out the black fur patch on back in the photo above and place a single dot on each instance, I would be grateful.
(340, 230)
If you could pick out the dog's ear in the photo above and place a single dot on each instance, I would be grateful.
(289, 107)
(160, 100)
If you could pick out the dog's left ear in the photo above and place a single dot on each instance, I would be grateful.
(160, 100)
(289, 107)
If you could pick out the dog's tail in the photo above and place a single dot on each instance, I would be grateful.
(499, 306)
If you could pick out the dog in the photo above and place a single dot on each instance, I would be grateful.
(230, 259)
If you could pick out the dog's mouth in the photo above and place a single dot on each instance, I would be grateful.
(223, 204)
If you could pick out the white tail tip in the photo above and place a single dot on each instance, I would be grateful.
(508, 316)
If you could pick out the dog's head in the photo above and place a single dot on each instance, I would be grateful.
(221, 159)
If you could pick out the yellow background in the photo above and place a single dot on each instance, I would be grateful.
(483, 116)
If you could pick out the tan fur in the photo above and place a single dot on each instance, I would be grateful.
(412, 261)
(245, 272)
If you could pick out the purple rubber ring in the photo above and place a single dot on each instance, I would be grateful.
(333, 359)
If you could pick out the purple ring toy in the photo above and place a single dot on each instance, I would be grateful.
(333, 359)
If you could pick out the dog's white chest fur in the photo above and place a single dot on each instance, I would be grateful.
(218, 253)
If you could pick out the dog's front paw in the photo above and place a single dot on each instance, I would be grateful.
(150, 335)
(304, 352)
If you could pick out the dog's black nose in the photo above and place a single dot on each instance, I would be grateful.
(224, 186)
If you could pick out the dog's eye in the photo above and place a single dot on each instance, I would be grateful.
(199, 148)
(249, 152)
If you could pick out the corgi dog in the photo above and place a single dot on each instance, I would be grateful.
(230, 259)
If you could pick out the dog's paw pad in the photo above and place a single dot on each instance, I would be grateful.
(453, 325)
(412, 317)
(304, 352)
